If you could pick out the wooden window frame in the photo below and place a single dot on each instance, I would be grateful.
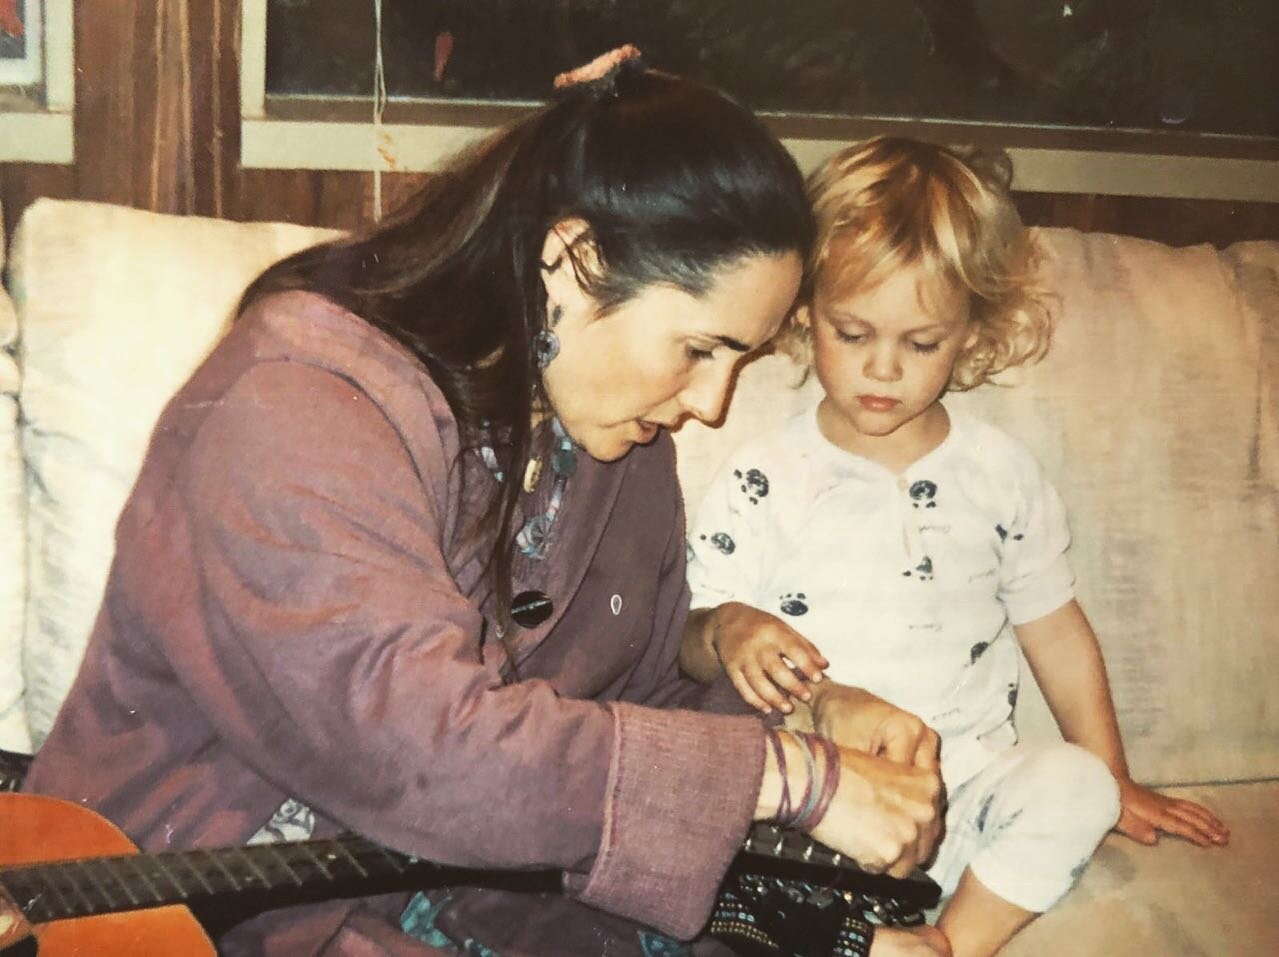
(333, 133)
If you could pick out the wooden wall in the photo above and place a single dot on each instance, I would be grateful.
(157, 127)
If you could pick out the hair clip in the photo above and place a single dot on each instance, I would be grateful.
(600, 75)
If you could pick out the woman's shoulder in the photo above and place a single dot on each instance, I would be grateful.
(306, 328)
(296, 359)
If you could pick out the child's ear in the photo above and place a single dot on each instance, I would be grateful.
(804, 315)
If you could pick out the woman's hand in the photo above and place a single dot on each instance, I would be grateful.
(757, 651)
(858, 719)
(885, 815)
(1145, 813)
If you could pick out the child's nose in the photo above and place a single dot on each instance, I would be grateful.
(882, 364)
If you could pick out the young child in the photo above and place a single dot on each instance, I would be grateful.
(885, 541)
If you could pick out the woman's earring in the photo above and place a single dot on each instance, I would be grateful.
(546, 345)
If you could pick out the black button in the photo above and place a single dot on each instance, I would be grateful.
(531, 608)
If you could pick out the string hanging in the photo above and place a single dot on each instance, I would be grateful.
(379, 108)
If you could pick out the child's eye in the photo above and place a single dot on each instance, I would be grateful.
(700, 355)
(843, 336)
(925, 347)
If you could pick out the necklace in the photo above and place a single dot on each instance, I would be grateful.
(533, 538)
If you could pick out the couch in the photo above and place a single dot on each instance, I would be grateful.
(1156, 413)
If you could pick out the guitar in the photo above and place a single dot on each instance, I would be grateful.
(71, 883)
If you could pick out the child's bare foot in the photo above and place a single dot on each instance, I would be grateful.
(916, 942)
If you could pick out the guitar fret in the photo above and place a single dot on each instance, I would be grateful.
(275, 852)
(132, 863)
(341, 847)
(247, 860)
(89, 904)
(338, 863)
(41, 877)
(190, 863)
(298, 862)
(315, 860)
(170, 877)
(87, 867)
(107, 866)
(217, 861)
(395, 860)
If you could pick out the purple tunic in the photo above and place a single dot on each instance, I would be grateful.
(295, 611)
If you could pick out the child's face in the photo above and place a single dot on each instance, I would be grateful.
(884, 355)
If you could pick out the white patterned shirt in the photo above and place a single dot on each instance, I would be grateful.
(906, 583)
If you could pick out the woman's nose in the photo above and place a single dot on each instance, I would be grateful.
(704, 396)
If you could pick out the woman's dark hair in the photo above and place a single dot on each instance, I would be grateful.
(674, 181)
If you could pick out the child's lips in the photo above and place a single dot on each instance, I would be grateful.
(878, 403)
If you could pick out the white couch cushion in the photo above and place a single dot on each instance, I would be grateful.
(1154, 413)
(117, 307)
(13, 536)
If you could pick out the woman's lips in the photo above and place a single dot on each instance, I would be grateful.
(648, 430)
(878, 403)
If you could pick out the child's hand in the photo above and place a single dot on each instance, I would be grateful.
(1146, 813)
(758, 650)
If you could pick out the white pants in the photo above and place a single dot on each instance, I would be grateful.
(1028, 824)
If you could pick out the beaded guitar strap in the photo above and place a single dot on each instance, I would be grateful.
(788, 896)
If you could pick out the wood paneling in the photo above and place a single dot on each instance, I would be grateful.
(1176, 222)
(157, 127)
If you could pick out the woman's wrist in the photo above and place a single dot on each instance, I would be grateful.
(801, 775)
(793, 774)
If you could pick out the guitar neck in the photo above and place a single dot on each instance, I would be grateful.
(103, 885)
(349, 864)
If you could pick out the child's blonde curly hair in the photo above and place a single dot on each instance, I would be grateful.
(893, 203)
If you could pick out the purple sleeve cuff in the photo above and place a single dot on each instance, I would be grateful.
(682, 790)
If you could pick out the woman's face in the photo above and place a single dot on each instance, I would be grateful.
(662, 355)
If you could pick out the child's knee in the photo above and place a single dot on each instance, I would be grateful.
(1077, 786)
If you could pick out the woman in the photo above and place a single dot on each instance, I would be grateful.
(406, 554)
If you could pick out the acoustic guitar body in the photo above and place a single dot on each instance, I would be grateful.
(35, 829)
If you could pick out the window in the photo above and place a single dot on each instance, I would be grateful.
(1153, 97)
(37, 91)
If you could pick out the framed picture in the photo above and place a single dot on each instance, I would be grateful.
(21, 43)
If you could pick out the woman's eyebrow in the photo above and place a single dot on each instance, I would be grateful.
(735, 344)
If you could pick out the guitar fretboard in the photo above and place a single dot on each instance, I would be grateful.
(102, 885)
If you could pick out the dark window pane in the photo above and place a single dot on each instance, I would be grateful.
(1195, 65)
